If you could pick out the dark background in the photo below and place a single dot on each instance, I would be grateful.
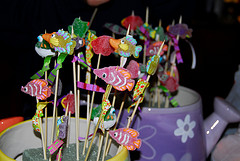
(215, 39)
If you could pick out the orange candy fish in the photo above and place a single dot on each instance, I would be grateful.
(118, 77)
(126, 137)
(38, 88)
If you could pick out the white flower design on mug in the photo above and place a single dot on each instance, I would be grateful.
(185, 128)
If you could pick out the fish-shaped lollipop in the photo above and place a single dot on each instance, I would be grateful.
(38, 88)
(154, 47)
(126, 46)
(180, 29)
(109, 119)
(118, 77)
(133, 21)
(126, 137)
(44, 50)
(61, 41)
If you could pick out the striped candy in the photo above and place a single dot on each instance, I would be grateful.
(55, 145)
(38, 88)
(90, 87)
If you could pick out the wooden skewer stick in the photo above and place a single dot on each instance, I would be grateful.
(174, 58)
(107, 134)
(93, 16)
(138, 101)
(150, 99)
(118, 117)
(168, 51)
(166, 65)
(106, 149)
(145, 46)
(46, 119)
(46, 116)
(78, 94)
(113, 104)
(91, 107)
(106, 95)
(68, 113)
(69, 124)
(43, 140)
(154, 98)
(59, 155)
(105, 146)
(172, 65)
(42, 136)
(94, 134)
(137, 104)
(55, 104)
(101, 136)
(76, 110)
(76, 106)
(158, 82)
(132, 31)
(88, 80)
(78, 90)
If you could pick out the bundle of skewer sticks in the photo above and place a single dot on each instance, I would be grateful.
(90, 102)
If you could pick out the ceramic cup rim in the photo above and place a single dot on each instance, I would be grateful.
(182, 109)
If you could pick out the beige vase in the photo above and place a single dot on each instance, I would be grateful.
(17, 138)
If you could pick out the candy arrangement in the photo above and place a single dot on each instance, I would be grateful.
(131, 76)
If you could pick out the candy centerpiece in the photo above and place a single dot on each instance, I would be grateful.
(142, 72)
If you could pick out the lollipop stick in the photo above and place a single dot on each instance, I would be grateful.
(106, 139)
(158, 82)
(145, 46)
(76, 105)
(168, 51)
(54, 105)
(158, 94)
(172, 65)
(174, 58)
(69, 123)
(93, 16)
(114, 128)
(106, 95)
(92, 101)
(105, 146)
(43, 140)
(42, 136)
(76, 110)
(132, 32)
(166, 66)
(78, 90)
(94, 134)
(101, 136)
(46, 119)
(88, 77)
(139, 99)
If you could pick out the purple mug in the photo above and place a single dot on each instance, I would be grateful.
(180, 134)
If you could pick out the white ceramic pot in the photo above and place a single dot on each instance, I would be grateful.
(17, 138)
